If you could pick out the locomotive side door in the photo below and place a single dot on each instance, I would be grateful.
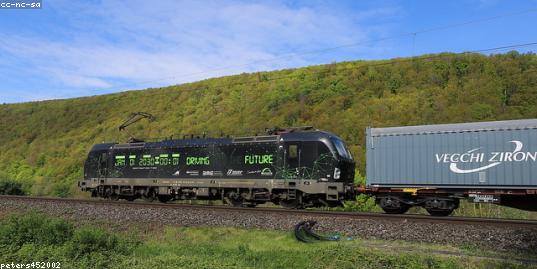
(102, 166)
(293, 160)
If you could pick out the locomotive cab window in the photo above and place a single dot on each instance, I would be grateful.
(92, 165)
(293, 151)
(103, 159)
(294, 159)
(341, 149)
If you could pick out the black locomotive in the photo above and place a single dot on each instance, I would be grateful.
(295, 167)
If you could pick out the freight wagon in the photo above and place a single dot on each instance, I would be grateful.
(434, 166)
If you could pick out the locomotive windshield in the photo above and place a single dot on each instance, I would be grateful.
(341, 149)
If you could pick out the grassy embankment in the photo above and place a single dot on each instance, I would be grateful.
(34, 237)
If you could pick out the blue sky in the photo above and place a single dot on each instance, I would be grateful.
(80, 48)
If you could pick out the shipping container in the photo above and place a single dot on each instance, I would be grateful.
(436, 165)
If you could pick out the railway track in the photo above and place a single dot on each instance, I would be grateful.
(305, 213)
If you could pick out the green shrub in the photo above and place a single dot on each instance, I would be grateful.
(98, 248)
(34, 228)
(10, 187)
(31, 236)
(62, 189)
(89, 240)
(359, 180)
(363, 203)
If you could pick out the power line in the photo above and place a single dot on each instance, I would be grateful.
(390, 62)
(385, 63)
(154, 92)
(324, 50)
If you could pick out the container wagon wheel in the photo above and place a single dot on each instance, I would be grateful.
(440, 212)
(392, 205)
(400, 210)
(441, 207)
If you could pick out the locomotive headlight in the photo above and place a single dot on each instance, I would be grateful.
(337, 173)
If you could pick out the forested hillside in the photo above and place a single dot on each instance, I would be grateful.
(43, 144)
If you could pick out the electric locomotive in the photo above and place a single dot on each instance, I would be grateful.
(294, 167)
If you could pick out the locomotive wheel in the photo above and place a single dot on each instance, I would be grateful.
(440, 212)
(235, 199)
(149, 196)
(236, 203)
(290, 204)
(164, 198)
(251, 205)
(130, 198)
(113, 197)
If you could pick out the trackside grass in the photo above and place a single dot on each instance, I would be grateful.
(25, 238)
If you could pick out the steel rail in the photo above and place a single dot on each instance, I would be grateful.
(305, 213)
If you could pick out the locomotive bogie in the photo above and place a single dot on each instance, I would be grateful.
(309, 192)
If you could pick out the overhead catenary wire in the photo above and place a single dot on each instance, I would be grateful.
(256, 80)
(203, 85)
(412, 34)
(384, 63)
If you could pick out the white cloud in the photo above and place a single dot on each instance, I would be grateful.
(114, 42)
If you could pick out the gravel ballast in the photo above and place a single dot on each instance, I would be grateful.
(493, 237)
